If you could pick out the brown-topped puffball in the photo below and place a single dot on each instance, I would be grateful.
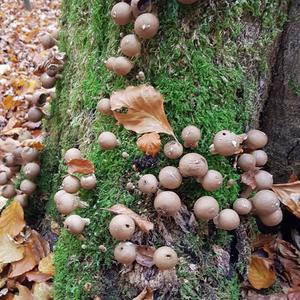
(272, 219)
(71, 184)
(167, 203)
(263, 180)
(34, 114)
(227, 219)
(193, 165)
(31, 170)
(47, 41)
(246, 162)
(107, 140)
(242, 206)
(121, 227)
(27, 186)
(191, 136)
(103, 106)
(256, 139)
(122, 65)
(226, 143)
(165, 258)
(211, 181)
(148, 184)
(125, 253)
(130, 45)
(261, 157)
(138, 11)
(170, 177)
(206, 208)
(121, 13)
(265, 202)
(88, 182)
(76, 224)
(146, 26)
(8, 191)
(29, 154)
(173, 150)
(72, 153)
(47, 81)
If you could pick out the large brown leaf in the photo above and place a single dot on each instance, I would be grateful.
(261, 273)
(46, 265)
(149, 143)
(140, 109)
(289, 195)
(9, 250)
(81, 166)
(141, 222)
(24, 293)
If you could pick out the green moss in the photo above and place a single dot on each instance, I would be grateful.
(195, 63)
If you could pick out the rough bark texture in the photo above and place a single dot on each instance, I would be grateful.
(281, 116)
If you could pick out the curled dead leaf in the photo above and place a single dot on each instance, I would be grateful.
(38, 145)
(9, 250)
(140, 109)
(144, 255)
(141, 222)
(46, 265)
(149, 143)
(81, 166)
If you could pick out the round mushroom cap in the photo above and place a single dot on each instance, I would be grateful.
(226, 143)
(242, 206)
(59, 195)
(206, 208)
(193, 165)
(74, 224)
(212, 180)
(246, 162)
(3, 178)
(125, 253)
(261, 157)
(191, 136)
(265, 202)
(71, 184)
(22, 199)
(165, 258)
(263, 180)
(256, 139)
(107, 140)
(130, 45)
(88, 182)
(146, 26)
(148, 184)
(103, 106)
(27, 186)
(173, 150)
(121, 13)
(31, 170)
(9, 160)
(8, 191)
(34, 114)
(227, 219)
(47, 41)
(121, 227)
(136, 11)
(167, 203)
(29, 154)
(47, 81)
(272, 219)
(66, 203)
(170, 177)
(72, 153)
(110, 63)
(122, 65)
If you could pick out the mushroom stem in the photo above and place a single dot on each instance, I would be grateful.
(87, 221)
(82, 204)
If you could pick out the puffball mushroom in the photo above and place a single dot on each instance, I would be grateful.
(261, 157)
(76, 224)
(9, 160)
(8, 191)
(3, 178)
(22, 199)
(121, 13)
(47, 41)
(34, 114)
(272, 219)
(121, 227)
(263, 180)
(67, 203)
(246, 162)
(165, 258)
(125, 253)
(146, 26)
(206, 208)
(39, 98)
(59, 196)
(71, 184)
(72, 153)
(148, 184)
(29, 154)
(173, 150)
(256, 139)
(88, 182)
(136, 11)
(193, 164)
(227, 219)
(107, 140)
(122, 65)
(103, 106)
(212, 180)
(31, 170)
(27, 186)
(242, 206)
(191, 136)
(226, 143)
(265, 202)
(130, 45)
(47, 81)
(187, 1)
(170, 177)
(167, 203)
(110, 63)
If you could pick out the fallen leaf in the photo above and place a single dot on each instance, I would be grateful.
(144, 255)
(8, 296)
(140, 109)
(81, 166)
(12, 220)
(149, 143)
(141, 222)
(24, 293)
(289, 195)
(9, 250)
(10, 103)
(248, 178)
(12, 123)
(37, 276)
(9, 145)
(46, 265)
(38, 145)
(42, 291)
(261, 273)
(146, 294)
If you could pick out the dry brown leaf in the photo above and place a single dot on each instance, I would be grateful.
(9, 145)
(37, 276)
(289, 195)
(140, 109)
(36, 248)
(146, 294)
(12, 220)
(42, 291)
(38, 145)
(46, 265)
(261, 273)
(149, 143)
(12, 123)
(81, 166)
(144, 255)
(24, 293)
(8, 296)
(9, 250)
(141, 222)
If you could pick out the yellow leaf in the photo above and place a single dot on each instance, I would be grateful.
(140, 109)
(24, 293)
(12, 220)
(46, 265)
(33, 143)
(9, 251)
(261, 273)
(42, 291)
(149, 143)
(9, 102)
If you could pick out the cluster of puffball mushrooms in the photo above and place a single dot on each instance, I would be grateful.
(67, 199)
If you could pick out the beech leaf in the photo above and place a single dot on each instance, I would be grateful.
(149, 143)
(24, 293)
(37, 276)
(140, 109)
(46, 265)
(81, 166)
(141, 222)
(9, 250)
(42, 291)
